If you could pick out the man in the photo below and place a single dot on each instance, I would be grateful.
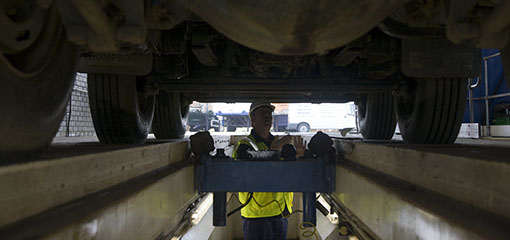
(263, 213)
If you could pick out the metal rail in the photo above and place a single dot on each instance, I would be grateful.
(399, 191)
(486, 97)
(57, 218)
(75, 188)
(493, 96)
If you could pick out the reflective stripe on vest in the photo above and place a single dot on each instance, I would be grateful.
(252, 143)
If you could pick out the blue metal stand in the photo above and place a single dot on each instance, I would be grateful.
(222, 174)
(309, 212)
(226, 175)
(220, 209)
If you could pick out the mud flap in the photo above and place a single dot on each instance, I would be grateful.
(440, 58)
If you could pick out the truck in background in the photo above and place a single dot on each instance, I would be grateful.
(233, 115)
(303, 117)
(201, 121)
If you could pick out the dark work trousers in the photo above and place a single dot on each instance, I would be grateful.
(268, 228)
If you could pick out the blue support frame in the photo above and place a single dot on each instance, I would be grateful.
(309, 213)
(222, 174)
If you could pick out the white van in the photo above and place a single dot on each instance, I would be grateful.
(306, 116)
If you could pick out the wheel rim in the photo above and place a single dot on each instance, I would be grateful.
(22, 22)
(303, 128)
(31, 54)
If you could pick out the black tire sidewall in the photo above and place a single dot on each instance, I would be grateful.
(437, 112)
(170, 116)
(143, 120)
(116, 110)
(33, 107)
(376, 116)
(363, 115)
(412, 127)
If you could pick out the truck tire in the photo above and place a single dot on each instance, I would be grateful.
(170, 116)
(303, 127)
(376, 116)
(121, 112)
(430, 112)
(36, 81)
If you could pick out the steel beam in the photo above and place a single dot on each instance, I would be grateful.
(141, 208)
(155, 211)
(471, 174)
(64, 175)
(227, 175)
(220, 209)
(310, 210)
(281, 97)
(386, 210)
(119, 192)
(221, 175)
(272, 85)
(396, 191)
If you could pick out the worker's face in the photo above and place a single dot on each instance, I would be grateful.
(262, 118)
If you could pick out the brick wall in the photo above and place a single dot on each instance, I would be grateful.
(78, 122)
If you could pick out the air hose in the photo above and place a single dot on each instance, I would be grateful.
(250, 195)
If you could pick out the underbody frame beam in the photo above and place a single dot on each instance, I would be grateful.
(275, 85)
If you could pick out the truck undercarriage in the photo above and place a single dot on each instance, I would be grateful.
(400, 61)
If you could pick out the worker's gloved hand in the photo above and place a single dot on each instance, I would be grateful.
(320, 144)
(300, 146)
(278, 142)
(202, 143)
(288, 152)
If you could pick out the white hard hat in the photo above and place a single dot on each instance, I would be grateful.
(260, 103)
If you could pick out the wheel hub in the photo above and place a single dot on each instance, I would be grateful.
(22, 23)
(30, 34)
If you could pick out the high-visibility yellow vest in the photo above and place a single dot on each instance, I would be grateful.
(268, 206)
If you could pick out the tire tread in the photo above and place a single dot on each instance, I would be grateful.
(380, 119)
(168, 119)
(437, 114)
(111, 122)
